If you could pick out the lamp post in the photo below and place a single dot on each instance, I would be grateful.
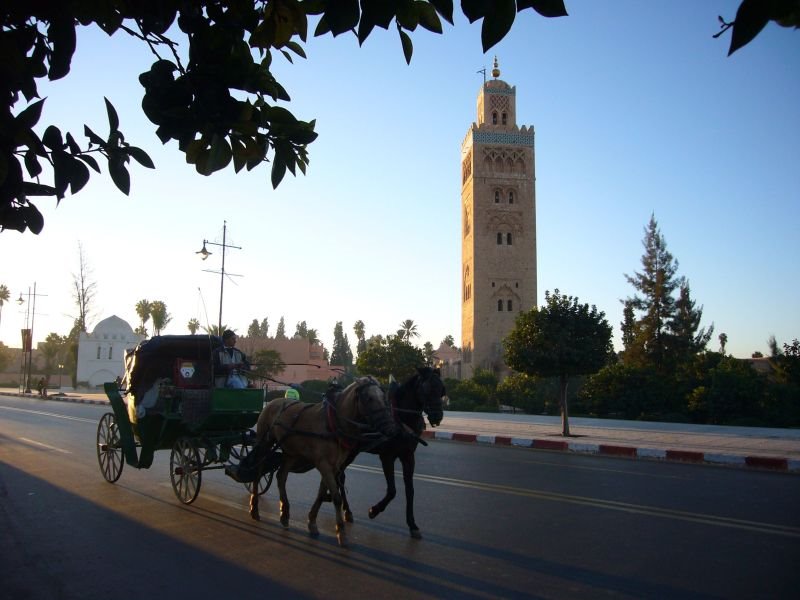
(27, 334)
(204, 254)
(60, 373)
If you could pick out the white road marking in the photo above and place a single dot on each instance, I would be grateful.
(49, 414)
(43, 445)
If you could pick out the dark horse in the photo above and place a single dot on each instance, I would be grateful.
(320, 436)
(421, 393)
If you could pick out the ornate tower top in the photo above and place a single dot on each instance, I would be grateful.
(496, 69)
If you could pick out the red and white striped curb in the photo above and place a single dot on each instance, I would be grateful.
(774, 463)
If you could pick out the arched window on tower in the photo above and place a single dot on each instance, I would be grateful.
(511, 197)
(497, 196)
(508, 238)
(499, 238)
(110, 352)
(467, 224)
(505, 119)
(494, 118)
(98, 351)
(500, 305)
(508, 305)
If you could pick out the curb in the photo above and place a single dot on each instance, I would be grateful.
(771, 463)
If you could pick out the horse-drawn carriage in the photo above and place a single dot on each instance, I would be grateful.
(170, 403)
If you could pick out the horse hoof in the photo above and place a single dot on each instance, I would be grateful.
(348, 516)
(373, 513)
(342, 539)
(415, 533)
(285, 522)
(255, 516)
(313, 530)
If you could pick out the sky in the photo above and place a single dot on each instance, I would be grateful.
(638, 111)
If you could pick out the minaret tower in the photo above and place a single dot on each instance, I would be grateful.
(498, 233)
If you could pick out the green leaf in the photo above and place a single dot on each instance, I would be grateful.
(751, 18)
(30, 116)
(428, 17)
(407, 15)
(61, 34)
(141, 157)
(296, 48)
(52, 138)
(341, 16)
(497, 23)
(119, 174)
(93, 137)
(72, 145)
(278, 171)
(476, 9)
(89, 160)
(113, 119)
(61, 172)
(322, 27)
(444, 8)
(37, 189)
(33, 218)
(408, 47)
(78, 177)
(220, 154)
(32, 163)
(546, 8)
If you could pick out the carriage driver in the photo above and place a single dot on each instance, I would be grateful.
(229, 362)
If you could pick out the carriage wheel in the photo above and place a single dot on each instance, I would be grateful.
(263, 483)
(185, 470)
(109, 448)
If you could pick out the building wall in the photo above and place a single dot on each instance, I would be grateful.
(101, 353)
(304, 361)
(498, 227)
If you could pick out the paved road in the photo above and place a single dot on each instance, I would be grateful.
(498, 522)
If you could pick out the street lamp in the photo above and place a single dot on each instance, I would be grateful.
(60, 372)
(204, 254)
(27, 334)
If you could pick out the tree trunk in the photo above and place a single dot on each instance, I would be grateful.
(564, 407)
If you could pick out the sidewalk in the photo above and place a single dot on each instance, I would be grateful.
(751, 447)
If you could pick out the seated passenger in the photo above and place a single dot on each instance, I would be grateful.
(230, 363)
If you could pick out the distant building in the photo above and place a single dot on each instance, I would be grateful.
(448, 360)
(304, 361)
(101, 353)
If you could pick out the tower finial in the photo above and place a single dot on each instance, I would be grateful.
(496, 69)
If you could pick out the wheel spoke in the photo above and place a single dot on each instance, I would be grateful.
(109, 449)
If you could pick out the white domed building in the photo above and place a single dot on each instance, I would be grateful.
(101, 353)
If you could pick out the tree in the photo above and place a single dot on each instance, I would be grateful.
(686, 337)
(428, 351)
(4, 296)
(5, 357)
(657, 282)
(341, 354)
(160, 316)
(449, 341)
(264, 328)
(280, 333)
(408, 330)
(723, 340)
(561, 339)
(301, 330)
(193, 325)
(359, 330)
(215, 329)
(218, 105)
(312, 336)
(143, 309)
(54, 349)
(267, 364)
(389, 356)
(254, 330)
(84, 289)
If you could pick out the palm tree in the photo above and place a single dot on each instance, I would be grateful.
(158, 310)
(143, 309)
(311, 335)
(408, 329)
(4, 296)
(215, 330)
(358, 328)
(193, 326)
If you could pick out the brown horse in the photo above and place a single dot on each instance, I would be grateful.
(320, 436)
